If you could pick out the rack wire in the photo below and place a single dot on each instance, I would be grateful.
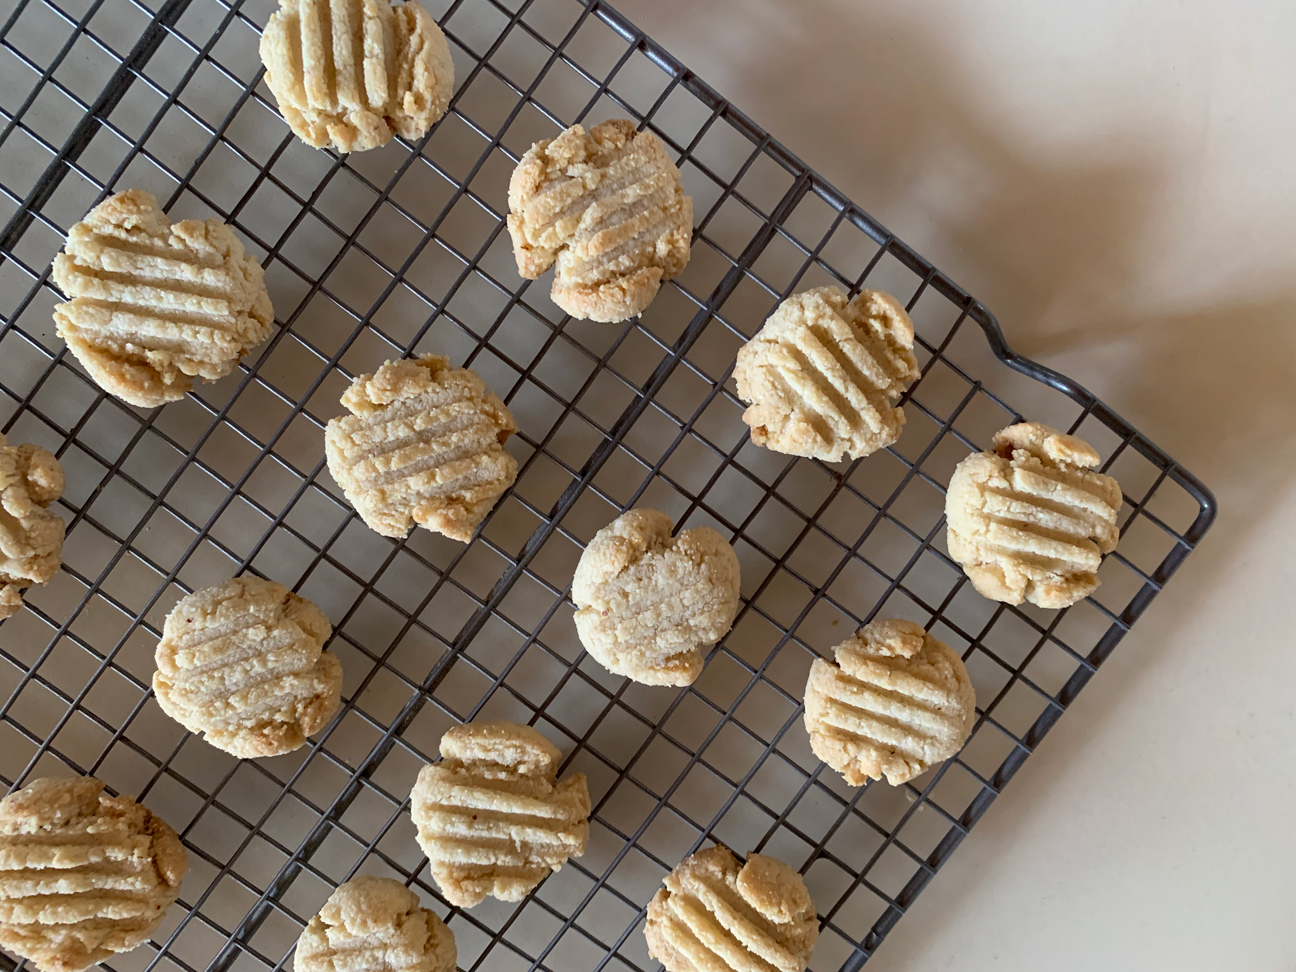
(401, 250)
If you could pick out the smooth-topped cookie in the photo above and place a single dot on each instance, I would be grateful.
(83, 875)
(715, 914)
(354, 73)
(242, 664)
(606, 208)
(31, 537)
(823, 375)
(1031, 520)
(896, 703)
(649, 603)
(154, 304)
(492, 816)
(424, 444)
(373, 924)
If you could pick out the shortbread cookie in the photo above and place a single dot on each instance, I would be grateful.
(242, 664)
(154, 304)
(83, 875)
(649, 603)
(354, 73)
(424, 444)
(607, 207)
(714, 915)
(31, 537)
(1031, 521)
(492, 817)
(823, 376)
(373, 924)
(896, 703)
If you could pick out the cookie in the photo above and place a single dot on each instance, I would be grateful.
(154, 304)
(424, 444)
(714, 915)
(1031, 520)
(823, 376)
(373, 924)
(31, 537)
(896, 703)
(83, 875)
(607, 208)
(492, 817)
(355, 73)
(241, 663)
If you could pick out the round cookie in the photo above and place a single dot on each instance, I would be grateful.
(649, 603)
(714, 914)
(242, 664)
(823, 376)
(608, 209)
(154, 304)
(1031, 521)
(424, 444)
(31, 537)
(354, 73)
(373, 924)
(492, 816)
(83, 875)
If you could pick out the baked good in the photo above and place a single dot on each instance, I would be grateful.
(31, 537)
(606, 208)
(152, 303)
(83, 875)
(647, 603)
(373, 924)
(715, 915)
(354, 73)
(823, 375)
(242, 664)
(896, 703)
(492, 816)
(1031, 520)
(424, 444)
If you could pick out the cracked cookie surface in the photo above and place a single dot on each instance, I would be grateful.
(373, 924)
(31, 537)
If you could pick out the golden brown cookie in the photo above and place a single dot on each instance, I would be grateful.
(715, 915)
(607, 207)
(154, 304)
(31, 537)
(373, 924)
(649, 603)
(424, 444)
(83, 875)
(492, 817)
(1031, 521)
(896, 703)
(354, 73)
(242, 664)
(823, 376)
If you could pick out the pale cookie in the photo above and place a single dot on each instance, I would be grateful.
(154, 304)
(492, 817)
(823, 376)
(83, 875)
(1031, 521)
(896, 703)
(424, 444)
(31, 537)
(715, 915)
(608, 209)
(649, 603)
(354, 73)
(242, 664)
(373, 924)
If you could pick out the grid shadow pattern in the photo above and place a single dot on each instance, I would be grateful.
(402, 250)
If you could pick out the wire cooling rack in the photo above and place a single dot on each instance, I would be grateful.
(400, 250)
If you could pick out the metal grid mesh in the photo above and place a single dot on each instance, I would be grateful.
(402, 250)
